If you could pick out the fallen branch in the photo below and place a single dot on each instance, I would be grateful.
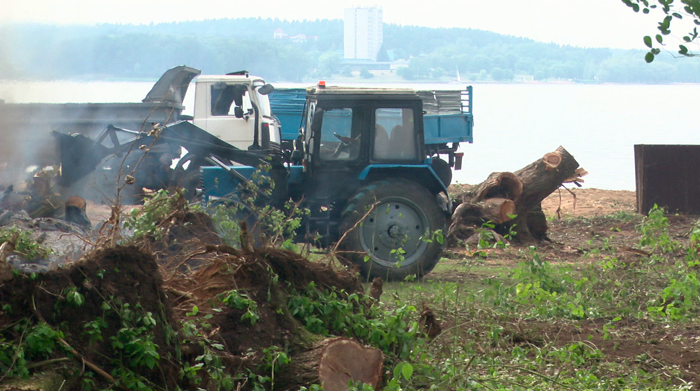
(72, 351)
(47, 362)
(357, 224)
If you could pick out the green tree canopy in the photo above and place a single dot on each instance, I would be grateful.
(671, 11)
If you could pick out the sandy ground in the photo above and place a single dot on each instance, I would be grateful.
(582, 202)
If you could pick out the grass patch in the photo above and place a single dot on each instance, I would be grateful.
(602, 325)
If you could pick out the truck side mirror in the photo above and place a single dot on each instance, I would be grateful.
(238, 112)
(266, 89)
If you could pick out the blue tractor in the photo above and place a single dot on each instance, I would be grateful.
(361, 166)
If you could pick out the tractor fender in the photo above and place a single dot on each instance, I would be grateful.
(422, 174)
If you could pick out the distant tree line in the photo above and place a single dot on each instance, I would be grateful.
(112, 51)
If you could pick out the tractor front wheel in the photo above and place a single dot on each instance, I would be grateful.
(393, 228)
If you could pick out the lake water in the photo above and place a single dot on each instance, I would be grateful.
(515, 124)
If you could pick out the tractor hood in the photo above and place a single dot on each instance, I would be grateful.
(172, 86)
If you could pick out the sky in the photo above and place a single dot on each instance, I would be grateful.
(583, 23)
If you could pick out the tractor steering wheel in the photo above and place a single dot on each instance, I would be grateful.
(347, 144)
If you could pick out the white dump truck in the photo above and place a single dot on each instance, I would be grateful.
(232, 107)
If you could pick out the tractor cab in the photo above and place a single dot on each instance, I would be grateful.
(347, 131)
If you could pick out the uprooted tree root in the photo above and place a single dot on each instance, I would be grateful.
(121, 310)
(267, 276)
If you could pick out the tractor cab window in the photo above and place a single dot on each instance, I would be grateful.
(230, 99)
(339, 139)
(394, 135)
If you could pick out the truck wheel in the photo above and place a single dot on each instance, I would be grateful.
(188, 178)
(401, 225)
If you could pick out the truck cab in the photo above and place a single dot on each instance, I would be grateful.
(235, 108)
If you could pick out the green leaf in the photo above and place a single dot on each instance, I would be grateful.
(76, 298)
(683, 50)
(659, 38)
(649, 57)
(647, 41)
(407, 371)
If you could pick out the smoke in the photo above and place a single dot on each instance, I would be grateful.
(28, 139)
(7, 70)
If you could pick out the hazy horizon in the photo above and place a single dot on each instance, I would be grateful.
(596, 23)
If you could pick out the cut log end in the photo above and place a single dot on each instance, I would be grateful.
(344, 360)
(551, 160)
(502, 209)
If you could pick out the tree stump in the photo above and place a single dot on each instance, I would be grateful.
(520, 194)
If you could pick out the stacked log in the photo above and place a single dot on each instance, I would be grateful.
(511, 202)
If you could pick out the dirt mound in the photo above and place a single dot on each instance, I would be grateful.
(265, 275)
(106, 305)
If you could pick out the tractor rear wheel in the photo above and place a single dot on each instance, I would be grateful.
(399, 236)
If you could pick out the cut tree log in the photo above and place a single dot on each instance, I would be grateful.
(520, 193)
(499, 185)
(495, 210)
(333, 363)
(540, 179)
(344, 360)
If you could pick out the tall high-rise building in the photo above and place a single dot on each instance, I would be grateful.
(363, 33)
